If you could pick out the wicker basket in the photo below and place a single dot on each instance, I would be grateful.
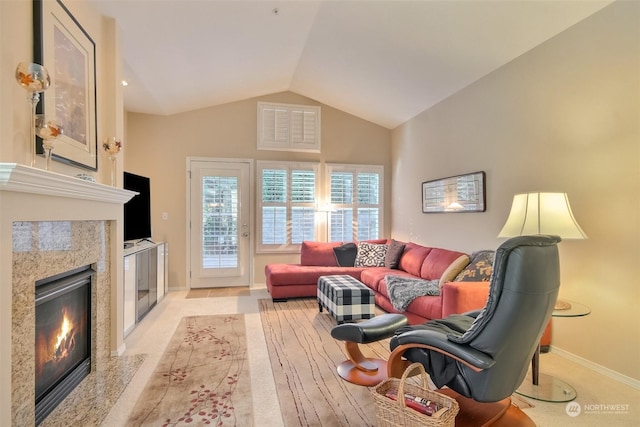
(395, 413)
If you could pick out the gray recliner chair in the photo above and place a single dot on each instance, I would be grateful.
(484, 355)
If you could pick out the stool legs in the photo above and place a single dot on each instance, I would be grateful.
(360, 369)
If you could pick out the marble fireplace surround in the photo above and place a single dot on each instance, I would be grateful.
(50, 223)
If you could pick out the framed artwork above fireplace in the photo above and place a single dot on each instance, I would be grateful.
(63, 46)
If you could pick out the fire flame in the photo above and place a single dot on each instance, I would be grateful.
(65, 341)
(64, 331)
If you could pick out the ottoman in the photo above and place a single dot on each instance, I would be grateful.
(346, 298)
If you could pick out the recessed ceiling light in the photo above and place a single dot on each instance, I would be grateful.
(125, 83)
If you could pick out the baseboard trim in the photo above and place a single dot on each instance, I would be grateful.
(610, 373)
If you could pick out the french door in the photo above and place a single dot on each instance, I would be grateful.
(219, 223)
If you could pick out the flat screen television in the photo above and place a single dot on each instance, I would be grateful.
(137, 211)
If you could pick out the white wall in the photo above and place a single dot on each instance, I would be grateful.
(563, 117)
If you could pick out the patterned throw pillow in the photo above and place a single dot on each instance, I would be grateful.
(479, 269)
(370, 255)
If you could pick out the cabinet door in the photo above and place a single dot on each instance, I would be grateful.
(142, 275)
(129, 294)
(161, 271)
(153, 276)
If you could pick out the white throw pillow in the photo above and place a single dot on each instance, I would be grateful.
(370, 255)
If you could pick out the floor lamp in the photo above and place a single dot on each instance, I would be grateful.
(544, 213)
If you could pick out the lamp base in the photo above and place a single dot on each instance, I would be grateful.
(548, 389)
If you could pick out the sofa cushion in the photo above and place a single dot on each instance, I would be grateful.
(372, 277)
(479, 268)
(346, 254)
(296, 274)
(429, 306)
(370, 255)
(318, 253)
(394, 253)
(437, 262)
(413, 257)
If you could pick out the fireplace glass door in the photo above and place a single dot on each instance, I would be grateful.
(62, 337)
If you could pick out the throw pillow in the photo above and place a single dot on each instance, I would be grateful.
(370, 255)
(394, 253)
(479, 269)
(346, 254)
(454, 269)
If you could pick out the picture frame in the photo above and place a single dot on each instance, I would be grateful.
(63, 46)
(455, 194)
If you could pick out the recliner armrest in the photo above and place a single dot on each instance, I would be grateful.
(472, 313)
(437, 341)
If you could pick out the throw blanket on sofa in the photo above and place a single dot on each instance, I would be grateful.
(403, 290)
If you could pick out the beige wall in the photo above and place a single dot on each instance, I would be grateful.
(16, 46)
(562, 117)
(158, 146)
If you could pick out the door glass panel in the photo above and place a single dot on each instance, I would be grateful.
(219, 222)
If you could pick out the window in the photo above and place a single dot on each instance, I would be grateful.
(355, 193)
(288, 127)
(287, 203)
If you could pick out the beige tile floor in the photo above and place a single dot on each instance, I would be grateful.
(602, 400)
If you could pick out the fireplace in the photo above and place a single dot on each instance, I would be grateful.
(62, 336)
(30, 200)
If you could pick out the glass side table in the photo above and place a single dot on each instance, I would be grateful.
(545, 387)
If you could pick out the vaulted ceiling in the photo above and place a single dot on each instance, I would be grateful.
(383, 61)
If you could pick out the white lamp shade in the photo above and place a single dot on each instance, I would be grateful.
(542, 213)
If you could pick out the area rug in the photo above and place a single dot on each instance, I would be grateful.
(202, 378)
(304, 357)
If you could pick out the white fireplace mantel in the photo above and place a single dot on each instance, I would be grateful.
(25, 179)
(31, 195)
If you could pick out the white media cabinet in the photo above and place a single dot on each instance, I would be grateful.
(145, 280)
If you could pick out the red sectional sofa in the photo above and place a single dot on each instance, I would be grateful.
(318, 259)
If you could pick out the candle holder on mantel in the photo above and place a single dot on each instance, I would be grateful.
(112, 146)
(34, 78)
(48, 131)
